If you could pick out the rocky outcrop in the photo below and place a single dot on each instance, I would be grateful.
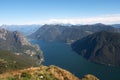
(18, 44)
(23, 41)
(89, 77)
(3, 33)
(44, 73)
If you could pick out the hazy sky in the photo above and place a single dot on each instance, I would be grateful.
(59, 11)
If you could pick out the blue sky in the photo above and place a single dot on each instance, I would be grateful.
(59, 11)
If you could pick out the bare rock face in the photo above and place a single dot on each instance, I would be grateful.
(21, 38)
(3, 33)
(18, 44)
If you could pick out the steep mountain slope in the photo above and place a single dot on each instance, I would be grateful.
(102, 47)
(72, 34)
(43, 73)
(69, 33)
(18, 44)
(15, 42)
(48, 32)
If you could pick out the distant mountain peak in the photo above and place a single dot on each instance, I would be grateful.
(99, 24)
(69, 34)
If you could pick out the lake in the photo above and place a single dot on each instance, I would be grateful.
(62, 55)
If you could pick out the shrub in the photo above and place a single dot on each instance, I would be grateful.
(24, 74)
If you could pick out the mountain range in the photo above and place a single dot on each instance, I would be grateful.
(23, 29)
(98, 43)
(116, 25)
(17, 55)
(69, 34)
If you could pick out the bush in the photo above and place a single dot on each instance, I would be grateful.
(24, 74)
(12, 79)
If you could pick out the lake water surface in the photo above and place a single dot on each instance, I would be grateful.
(61, 54)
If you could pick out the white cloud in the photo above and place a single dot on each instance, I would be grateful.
(106, 19)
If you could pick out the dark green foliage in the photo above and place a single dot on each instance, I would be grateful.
(10, 61)
(12, 79)
(24, 74)
(69, 33)
(48, 32)
(102, 47)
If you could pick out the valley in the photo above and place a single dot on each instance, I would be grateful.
(58, 45)
(59, 40)
(62, 55)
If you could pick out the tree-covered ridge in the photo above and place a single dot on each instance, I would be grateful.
(101, 47)
(69, 34)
